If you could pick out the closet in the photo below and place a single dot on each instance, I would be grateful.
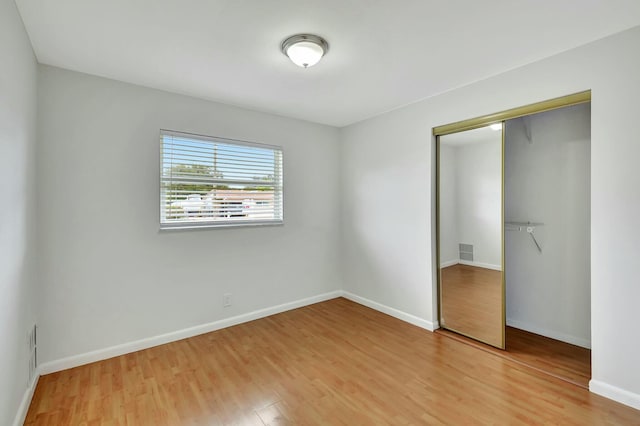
(513, 234)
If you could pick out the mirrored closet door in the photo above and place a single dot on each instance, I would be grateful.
(470, 233)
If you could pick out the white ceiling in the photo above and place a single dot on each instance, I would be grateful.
(383, 53)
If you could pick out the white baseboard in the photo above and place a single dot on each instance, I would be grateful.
(125, 348)
(481, 265)
(578, 341)
(608, 391)
(21, 415)
(448, 263)
(411, 319)
(615, 393)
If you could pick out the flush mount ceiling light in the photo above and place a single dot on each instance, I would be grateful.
(305, 50)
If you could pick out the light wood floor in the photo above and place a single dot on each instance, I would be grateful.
(331, 363)
(559, 359)
(471, 302)
(472, 305)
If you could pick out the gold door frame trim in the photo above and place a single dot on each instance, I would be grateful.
(485, 120)
(504, 263)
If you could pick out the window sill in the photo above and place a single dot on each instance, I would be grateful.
(222, 225)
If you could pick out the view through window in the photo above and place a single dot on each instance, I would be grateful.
(208, 181)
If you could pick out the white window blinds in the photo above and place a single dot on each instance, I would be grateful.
(207, 181)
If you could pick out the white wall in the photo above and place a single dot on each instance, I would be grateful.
(547, 180)
(480, 200)
(17, 219)
(448, 193)
(388, 252)
(109, 276)
(470, 199)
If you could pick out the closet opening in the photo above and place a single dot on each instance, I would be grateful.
(513, 231)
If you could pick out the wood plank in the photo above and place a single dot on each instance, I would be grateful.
(334, 362)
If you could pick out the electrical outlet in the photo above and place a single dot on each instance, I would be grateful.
(226, 300)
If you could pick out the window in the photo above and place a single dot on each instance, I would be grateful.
(214, 182)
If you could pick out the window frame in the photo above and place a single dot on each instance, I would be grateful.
(222, 224)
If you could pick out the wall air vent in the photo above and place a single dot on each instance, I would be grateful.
(466, 252)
